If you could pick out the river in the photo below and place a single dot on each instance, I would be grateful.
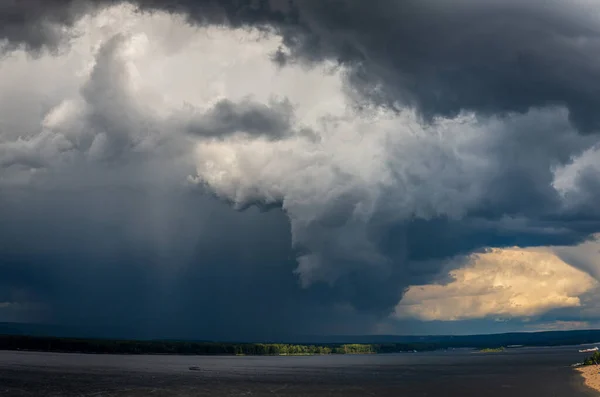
(517, 372)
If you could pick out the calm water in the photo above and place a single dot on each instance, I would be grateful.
(521, 372)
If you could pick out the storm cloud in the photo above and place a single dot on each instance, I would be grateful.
(439, 57)
(388, 140)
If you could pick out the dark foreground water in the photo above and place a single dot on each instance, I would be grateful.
(520, 372)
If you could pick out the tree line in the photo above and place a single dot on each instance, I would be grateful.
(109, 346)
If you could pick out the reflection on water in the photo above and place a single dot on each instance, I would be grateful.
(519, 372)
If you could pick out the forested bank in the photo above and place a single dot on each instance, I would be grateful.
(428, 343)
(107, 346)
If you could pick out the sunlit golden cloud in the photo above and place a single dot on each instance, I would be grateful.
(502, 283)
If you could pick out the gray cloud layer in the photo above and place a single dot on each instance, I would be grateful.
(227, 118)
(503, 152)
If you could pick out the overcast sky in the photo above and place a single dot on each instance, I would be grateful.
(263, 169)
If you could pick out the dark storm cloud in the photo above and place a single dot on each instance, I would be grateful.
(226, 118)
(37, 23)
(442, 57)
(158, 264)
(439, 57)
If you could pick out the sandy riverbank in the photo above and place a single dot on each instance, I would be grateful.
(591, 374)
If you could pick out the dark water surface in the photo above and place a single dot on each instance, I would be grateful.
(519, 372)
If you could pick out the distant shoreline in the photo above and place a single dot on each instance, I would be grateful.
(169, 347)
(206, 348)
(491, 350)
